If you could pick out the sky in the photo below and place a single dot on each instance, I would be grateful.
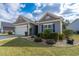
(10, 11)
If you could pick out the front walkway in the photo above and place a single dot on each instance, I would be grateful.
(64, 44)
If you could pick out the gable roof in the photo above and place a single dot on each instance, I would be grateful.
(22, 19)
(49, 16)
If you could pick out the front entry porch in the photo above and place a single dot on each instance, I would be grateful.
(33, 30)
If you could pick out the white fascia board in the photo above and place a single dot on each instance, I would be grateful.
(20, 23)
(49, 21)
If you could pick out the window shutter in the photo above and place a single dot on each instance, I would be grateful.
(42, 28)
(53, 27)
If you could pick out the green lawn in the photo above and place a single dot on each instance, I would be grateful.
(3, 34)
(75, 36)
(23, 47)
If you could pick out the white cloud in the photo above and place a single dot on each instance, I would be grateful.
(14, 7)
(37, 17)
(71, 18)
(2, 6)
(63, 7)
(5, 15)
(23, 5)
(49, 4)
(37, 11)
(29, 15)
(9, 12)
(38, 5)
(74, 8)
(42, 5)
(13, 10)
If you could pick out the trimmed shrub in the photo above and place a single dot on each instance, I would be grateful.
(54, 36)
(61, 36)
(40, 35)
(50, 41)
(10, 33)
(37, 39)
(47, 34)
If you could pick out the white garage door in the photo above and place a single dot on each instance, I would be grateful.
(20, 30)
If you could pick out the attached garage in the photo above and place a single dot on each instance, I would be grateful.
(22, 26)
(20, 30)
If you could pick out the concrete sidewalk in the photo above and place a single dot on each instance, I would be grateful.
(6, 37)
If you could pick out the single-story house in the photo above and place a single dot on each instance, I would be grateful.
(6, 27)
(47, 21)
(74, 25)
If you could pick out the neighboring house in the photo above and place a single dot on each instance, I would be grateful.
(47, 21)
(6, 27)
(74, 25)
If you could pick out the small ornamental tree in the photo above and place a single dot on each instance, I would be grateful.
(67, 33)
(46, 34)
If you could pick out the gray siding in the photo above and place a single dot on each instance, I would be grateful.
(57, 27)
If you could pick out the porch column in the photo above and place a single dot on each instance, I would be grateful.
(1, 27)
(39, 28)
(2, 30)
(28, 29)
(61, 27)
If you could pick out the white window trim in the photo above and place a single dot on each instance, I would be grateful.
(48, 25)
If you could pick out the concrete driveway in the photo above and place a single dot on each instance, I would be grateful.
(6, 37)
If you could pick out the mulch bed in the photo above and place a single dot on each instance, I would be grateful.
(58, 44)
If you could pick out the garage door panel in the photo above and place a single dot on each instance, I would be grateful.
(20, 30)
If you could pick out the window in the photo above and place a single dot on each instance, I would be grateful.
(49, 26)
(45, 26)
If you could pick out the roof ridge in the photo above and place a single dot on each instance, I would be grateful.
(49, 13)
(25, 18)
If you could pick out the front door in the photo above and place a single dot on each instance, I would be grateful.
(36, 30)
